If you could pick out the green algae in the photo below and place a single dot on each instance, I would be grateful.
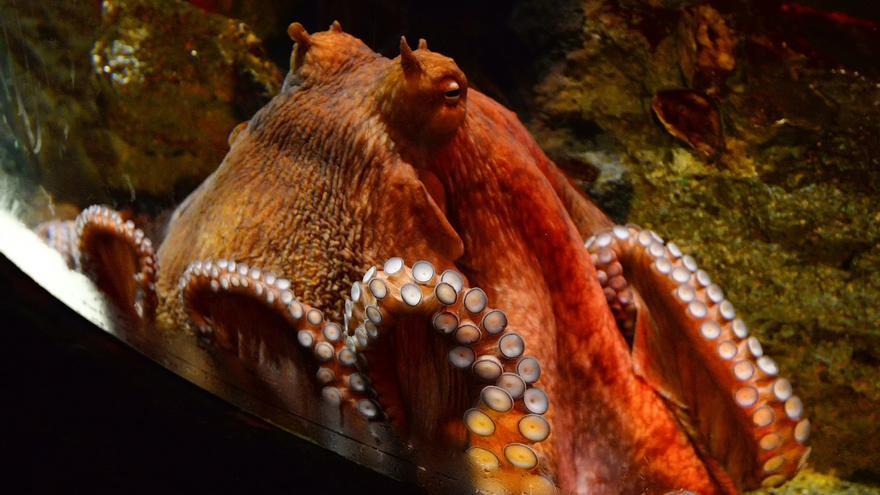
(812, 483)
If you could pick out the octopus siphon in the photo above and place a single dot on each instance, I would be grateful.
(406, 239)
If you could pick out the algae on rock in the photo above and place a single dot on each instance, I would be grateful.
(787, 218)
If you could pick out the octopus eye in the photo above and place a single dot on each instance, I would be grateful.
(452, 92)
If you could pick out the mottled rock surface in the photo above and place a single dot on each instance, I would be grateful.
(124, 99)
(785, 216)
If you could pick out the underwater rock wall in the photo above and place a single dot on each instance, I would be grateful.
(762, 160)
(108, 101)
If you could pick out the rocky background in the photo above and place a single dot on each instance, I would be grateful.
(745, 130)
(116, 101)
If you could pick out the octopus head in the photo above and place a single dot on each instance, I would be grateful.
(423, 96)
(322, 56)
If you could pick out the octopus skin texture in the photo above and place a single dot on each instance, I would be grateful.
(406, 241)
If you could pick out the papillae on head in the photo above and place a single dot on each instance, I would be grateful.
(420, 95)
(322, 56)
(423, 97)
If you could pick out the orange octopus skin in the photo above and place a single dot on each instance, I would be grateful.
(613, 433)
(363, 160)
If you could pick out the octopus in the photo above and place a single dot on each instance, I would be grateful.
(405, 240)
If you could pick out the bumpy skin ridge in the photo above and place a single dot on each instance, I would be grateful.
(363, 160)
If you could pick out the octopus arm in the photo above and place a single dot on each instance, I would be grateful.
(113, 252)
(254, 313)
(61, 236)
(506, 422)
(692, 348)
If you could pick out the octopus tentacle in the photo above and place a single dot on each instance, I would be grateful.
(688, 338)
(113, 252)
(334, 359)
(119, 257)
(508, 424)
(61, 236)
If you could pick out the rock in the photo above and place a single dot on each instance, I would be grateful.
(786, 217)
(131, 100)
